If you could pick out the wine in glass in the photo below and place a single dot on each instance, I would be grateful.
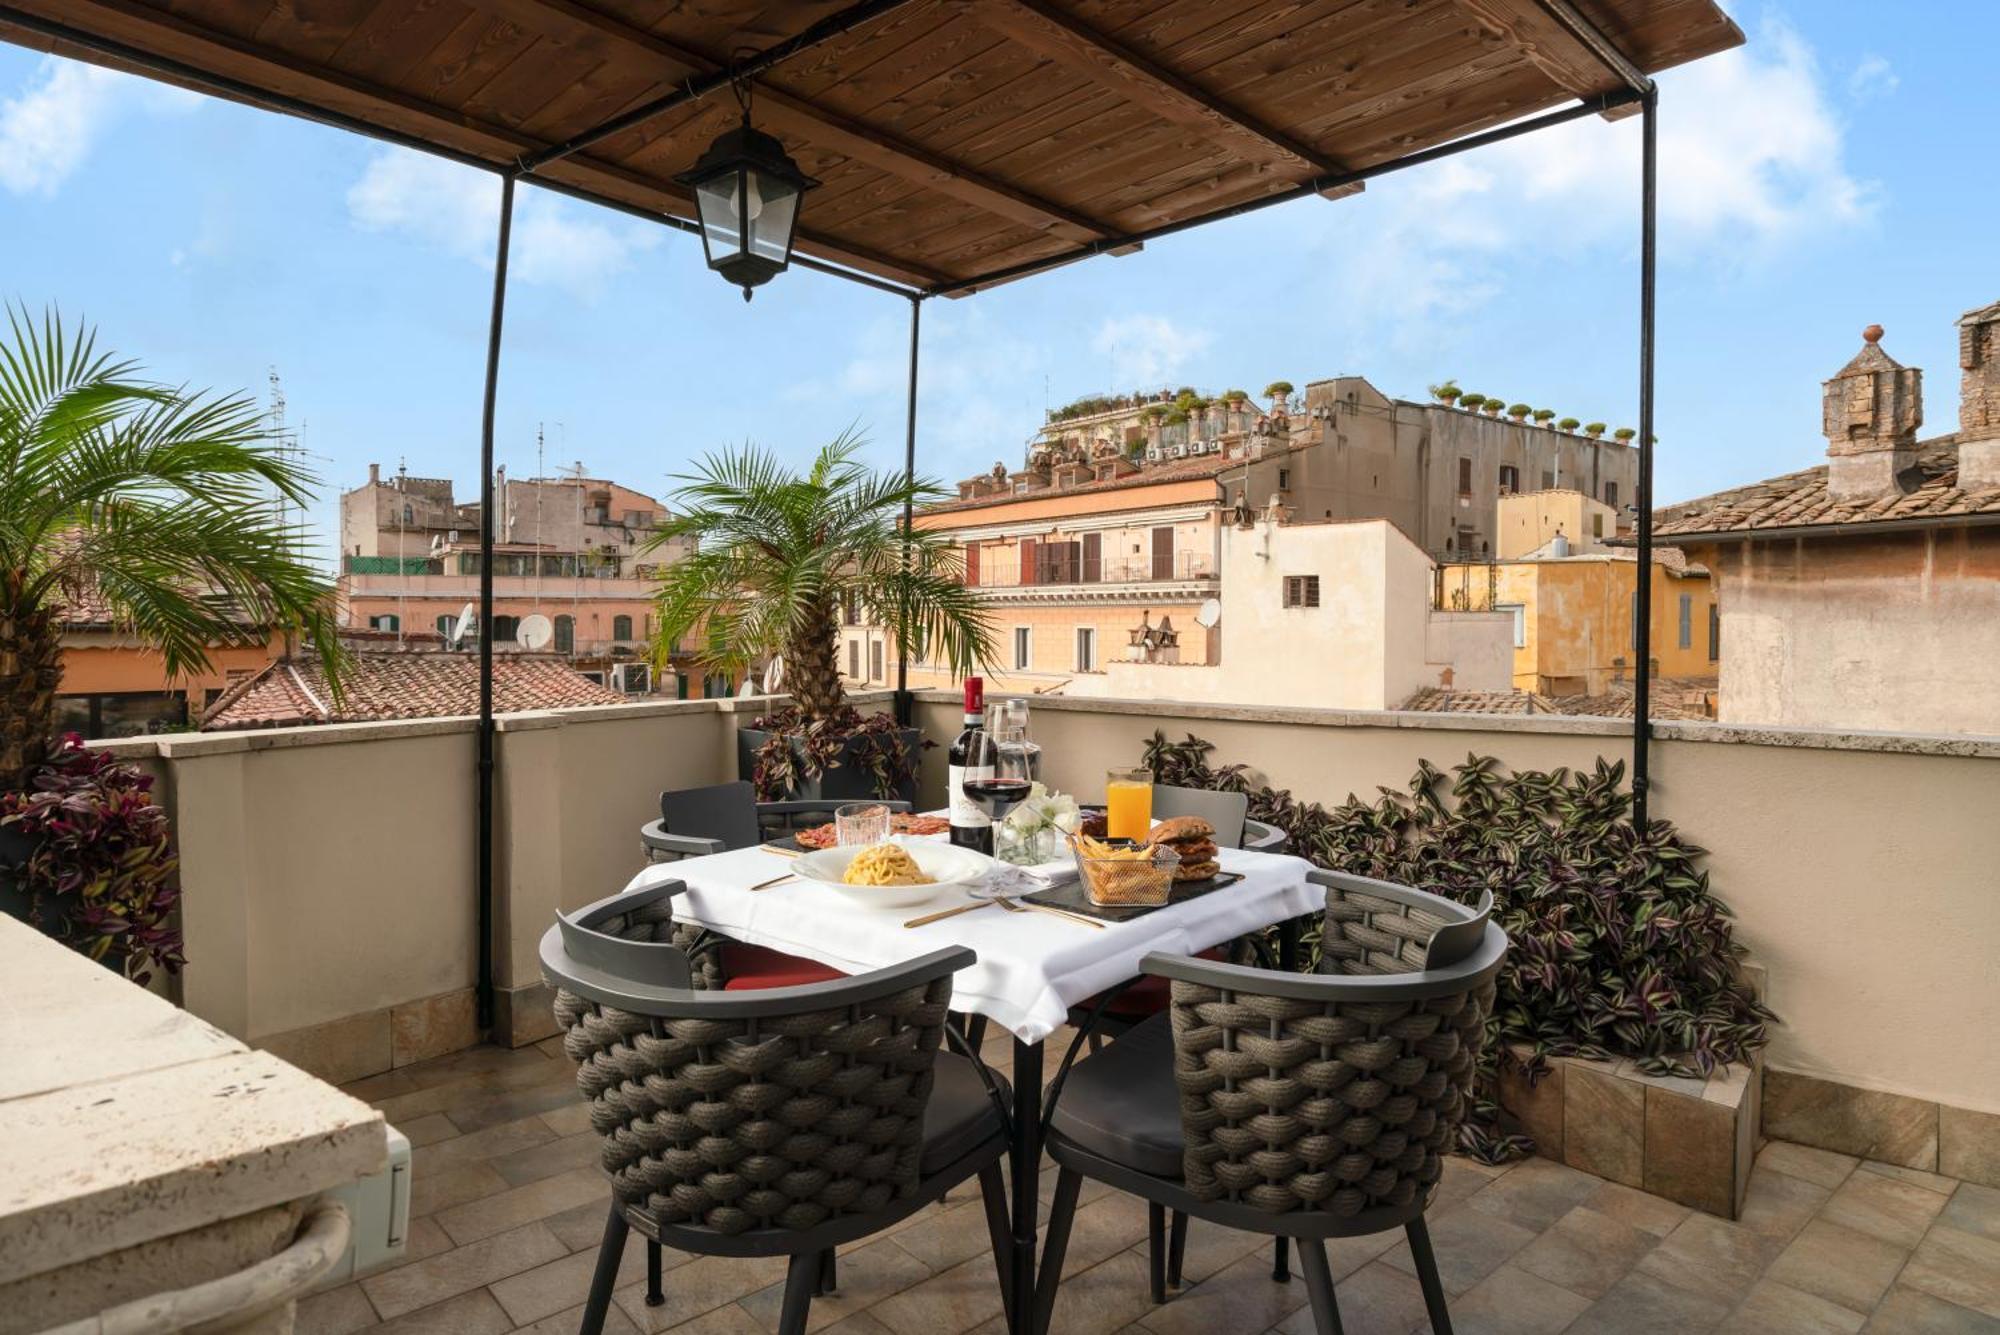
(997, 769)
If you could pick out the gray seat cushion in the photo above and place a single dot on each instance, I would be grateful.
(960, 1114)
(1122, 1103)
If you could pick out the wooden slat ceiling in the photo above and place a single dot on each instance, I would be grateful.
(953, 137)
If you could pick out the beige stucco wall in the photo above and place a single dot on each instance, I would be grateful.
(1898, 632)
(1860, 868)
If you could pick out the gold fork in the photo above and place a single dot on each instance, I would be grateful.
(1028, 906)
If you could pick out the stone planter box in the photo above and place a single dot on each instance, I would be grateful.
(1689, 1140)
(846, 781)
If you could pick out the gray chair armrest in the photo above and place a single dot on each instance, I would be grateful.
(824, 806)
(660, 845)
(1260, 837)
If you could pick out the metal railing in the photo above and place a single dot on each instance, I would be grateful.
(1002, 569)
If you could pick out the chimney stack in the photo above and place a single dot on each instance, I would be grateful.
(1979, 399)
(374, 475)
(1872, 410)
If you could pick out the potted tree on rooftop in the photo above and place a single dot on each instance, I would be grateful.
(780, 553)
(159, 509)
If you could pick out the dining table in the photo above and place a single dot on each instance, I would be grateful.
(1032, 967)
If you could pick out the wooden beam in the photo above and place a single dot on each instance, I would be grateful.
(1061, 37)
(1552, 47)
(146, 28)
(582, 28)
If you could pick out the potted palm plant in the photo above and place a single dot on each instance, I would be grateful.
(778, 554)
(161, 510)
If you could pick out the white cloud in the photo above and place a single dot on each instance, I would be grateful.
(48, 129)
(1874, 77)
(1146, 349)
(456, 209)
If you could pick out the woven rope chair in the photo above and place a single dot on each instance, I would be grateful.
(1304, 1106)
(785, 1122)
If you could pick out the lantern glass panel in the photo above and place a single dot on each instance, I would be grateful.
(721, 232)
(771, 218)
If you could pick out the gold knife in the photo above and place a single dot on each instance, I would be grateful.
(1062, 913)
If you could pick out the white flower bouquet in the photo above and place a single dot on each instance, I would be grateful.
(1038, 830)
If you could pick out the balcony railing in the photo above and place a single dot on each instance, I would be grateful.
(1003, 569)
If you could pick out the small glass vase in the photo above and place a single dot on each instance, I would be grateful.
(1027, 850)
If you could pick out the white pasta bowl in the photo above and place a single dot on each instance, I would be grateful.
(947, 865)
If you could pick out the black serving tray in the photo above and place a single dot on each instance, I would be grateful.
(1071, 896)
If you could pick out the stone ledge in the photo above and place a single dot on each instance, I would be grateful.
(371, 1042)
(1889, 1128)
(1688, 1140)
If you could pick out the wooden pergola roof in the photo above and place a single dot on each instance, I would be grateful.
(960, 142)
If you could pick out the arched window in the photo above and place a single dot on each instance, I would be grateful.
(565, 634)
(621, 628)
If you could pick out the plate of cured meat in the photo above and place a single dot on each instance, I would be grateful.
(900, 822)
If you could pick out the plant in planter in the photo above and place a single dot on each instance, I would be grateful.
(1471, 402)
(99, 871)
(779, 553)
(1447, 392)
(1278, 391)
(1623, 435)
(1493, 405)
(1568, 424)
(1595, 430)
(1518, 411)
(1543, 416)
(1620, 949)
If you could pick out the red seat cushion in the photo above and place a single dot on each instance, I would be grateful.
(1150, 995)
(752, 968)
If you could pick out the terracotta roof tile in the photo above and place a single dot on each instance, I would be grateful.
(1798, 499)
(1673, 698)
(394, 685)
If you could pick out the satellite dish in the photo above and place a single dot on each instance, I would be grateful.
(460, 625)
(774, 673)
(1209, 614)
(535, 632)
(748, 688)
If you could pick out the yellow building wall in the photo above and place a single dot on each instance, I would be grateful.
(1531, 519)
(1576, 621)
(1051, 643)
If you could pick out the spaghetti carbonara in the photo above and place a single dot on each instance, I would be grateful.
(884, 864)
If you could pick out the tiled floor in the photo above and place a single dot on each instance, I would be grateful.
(509, 1208)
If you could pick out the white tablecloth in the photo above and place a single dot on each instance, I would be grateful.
(1032, 966)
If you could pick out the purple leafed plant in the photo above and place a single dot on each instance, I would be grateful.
(1619, 947)
(100, 873)
(879, 749)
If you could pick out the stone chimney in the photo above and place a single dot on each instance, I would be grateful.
(374, 475)
(1872, 410)
(1979, 399)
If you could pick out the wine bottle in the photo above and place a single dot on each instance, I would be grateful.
(971, 827)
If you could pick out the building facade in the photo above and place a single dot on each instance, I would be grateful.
(1572, 603)
(571, 549)
(1864, 593)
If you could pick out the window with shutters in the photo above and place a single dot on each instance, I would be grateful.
(565, 634)
(1163, 552)
(1714, 631)
(875, 672)
(1611, 494)
(1510, 479)
(972, 565)
(621, 628)
(1684, 632)
(1093, 558)
(854, 659)
(1465, 477)
(505, 629)
(1024, 646)
(1086, 648)
(1302, 590)
(389, 622)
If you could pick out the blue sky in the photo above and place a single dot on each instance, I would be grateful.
(1837, 171)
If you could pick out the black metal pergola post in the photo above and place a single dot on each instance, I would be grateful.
(487, 510)
(1642, 631)
(905, 705)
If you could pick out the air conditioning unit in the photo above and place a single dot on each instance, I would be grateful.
(452, 536)
(1177, 452)
(1153, 454)
(632, 678)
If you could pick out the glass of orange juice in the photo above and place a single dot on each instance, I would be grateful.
(1128, 803)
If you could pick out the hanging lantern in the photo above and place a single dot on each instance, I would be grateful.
(747, 192)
